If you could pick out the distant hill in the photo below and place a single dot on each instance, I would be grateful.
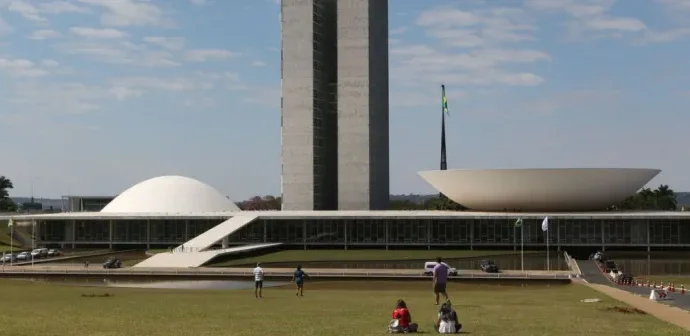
(683, 198)
(417, 199)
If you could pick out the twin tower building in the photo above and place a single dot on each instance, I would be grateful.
(334, 104)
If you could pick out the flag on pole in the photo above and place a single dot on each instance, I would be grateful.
(444, 101)
(545, 224)
(10, 223)
(518, 222)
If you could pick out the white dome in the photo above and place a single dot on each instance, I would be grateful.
(170, 194)
(575, 189)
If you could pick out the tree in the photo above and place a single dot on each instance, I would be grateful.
(258, 203)
(404, 205)
(662, 198)
(443, 203)
(6, 203)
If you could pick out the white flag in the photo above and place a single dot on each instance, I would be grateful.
(10, 223)
(545, 224)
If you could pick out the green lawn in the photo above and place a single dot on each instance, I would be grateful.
(5, 241)
(354, 308)
(358, 255)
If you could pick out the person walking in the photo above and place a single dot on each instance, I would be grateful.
(258, 281)
(440, 279)
(298, 279)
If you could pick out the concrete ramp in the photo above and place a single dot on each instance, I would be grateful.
(207, 239)
(195, 259)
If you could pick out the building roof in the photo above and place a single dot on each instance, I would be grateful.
(354, 215)
(167, 194)
(567, 189)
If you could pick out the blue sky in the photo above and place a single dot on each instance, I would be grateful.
(100, 94)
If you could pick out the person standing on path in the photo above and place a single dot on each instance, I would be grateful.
(258, 281)
(298, 279)
(440, 279)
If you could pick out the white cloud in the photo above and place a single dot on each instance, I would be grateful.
(119, 51)
(129, 13)
(57, 98)
(258, 63)
(26, 10)
(49, 63)
(202, 55)
(468, 48)
(170, 43)
(21, 68)
(45, 34)
(106, 33)
(57, 7)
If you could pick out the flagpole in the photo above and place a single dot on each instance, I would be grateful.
(11, 244)
(522, 246)
(548, 260)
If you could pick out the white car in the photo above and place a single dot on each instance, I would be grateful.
(429, 268)
(24, 256)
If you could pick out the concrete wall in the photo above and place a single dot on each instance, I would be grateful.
(363, 105)
(297, 116)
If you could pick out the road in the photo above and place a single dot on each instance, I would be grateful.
(591, 273)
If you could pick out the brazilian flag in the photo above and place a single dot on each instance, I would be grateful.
(518, 222)
(444, 101)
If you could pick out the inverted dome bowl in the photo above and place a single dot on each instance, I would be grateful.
(566, 189)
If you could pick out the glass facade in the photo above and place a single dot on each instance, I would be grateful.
(393, 231)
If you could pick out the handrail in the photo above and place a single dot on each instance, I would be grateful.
(178, 272)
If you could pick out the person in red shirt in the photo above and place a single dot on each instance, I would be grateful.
(404, 320)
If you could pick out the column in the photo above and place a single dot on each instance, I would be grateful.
(304, 234)
(225, 243)
(148, 234)
(472, 235)
(346, 227)
(558, 235)
(386, 225)
(110, 233)
(649, 238)
(603, 238)
(74, 233)
(428, 233)
(186, 230)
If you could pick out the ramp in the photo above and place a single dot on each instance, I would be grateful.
(591, 273)
(216, 233)
(194, 259)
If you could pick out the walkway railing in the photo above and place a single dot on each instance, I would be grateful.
(239, 273)
(572, 264)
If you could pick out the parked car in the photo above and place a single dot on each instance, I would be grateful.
(24, 256)
(39, 253)
(429, 268)
(609, 265)
(488, 266)
(9, 258)
(112, 263)
(54, 253)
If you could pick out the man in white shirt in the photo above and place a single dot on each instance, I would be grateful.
(258, 280)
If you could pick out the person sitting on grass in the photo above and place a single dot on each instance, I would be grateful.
(402, 320)
(298, 279)
(447, 321)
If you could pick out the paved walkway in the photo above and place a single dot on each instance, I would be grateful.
(663, 312)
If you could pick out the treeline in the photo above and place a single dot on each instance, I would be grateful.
(662, 198)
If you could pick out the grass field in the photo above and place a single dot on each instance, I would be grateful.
(5, 241)
(358, 255)
(327, 309)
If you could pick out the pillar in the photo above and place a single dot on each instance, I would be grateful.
(110, 233)
(186, 230)
(346, 227)
(225, 242)
(148, 234)
(603, 238)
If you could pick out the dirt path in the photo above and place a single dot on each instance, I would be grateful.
(663, 312)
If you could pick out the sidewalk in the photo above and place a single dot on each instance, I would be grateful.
(663, 312)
